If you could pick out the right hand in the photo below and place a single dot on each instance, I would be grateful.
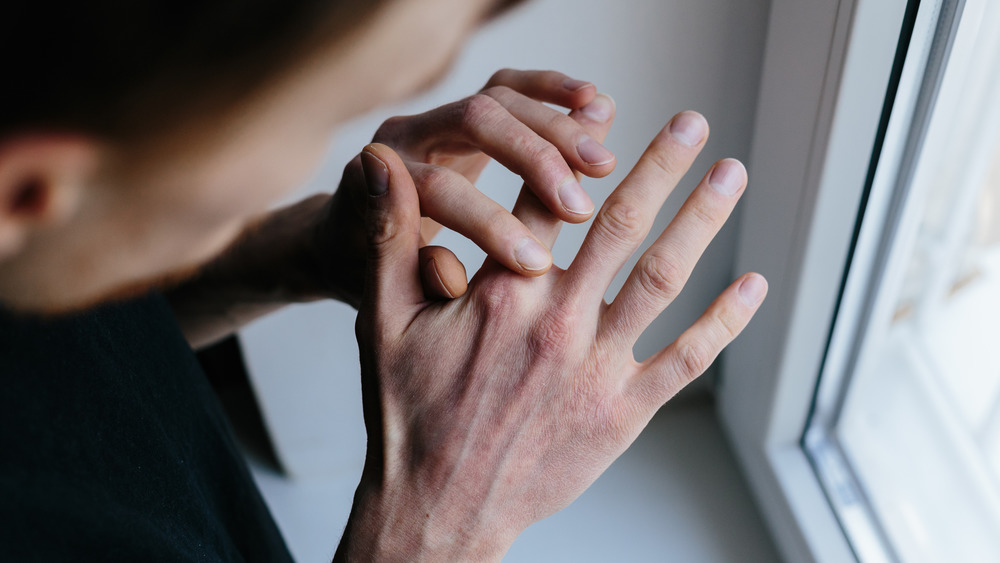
(494, 410)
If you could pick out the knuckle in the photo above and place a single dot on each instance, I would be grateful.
(731, 325)
(497, 299)
(665, 161)
(621, 221)
(477, 110)
(500, 221)
(538, 150)
(693, 359)
(390, 130)
(701, 211)
(544, 157)
(566, 125)
(432, 178)
(552, 337)
(382, 230)
(498, 92)
(660, 277)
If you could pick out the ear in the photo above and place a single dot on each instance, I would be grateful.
(41, 179)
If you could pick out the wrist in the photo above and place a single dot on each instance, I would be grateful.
(401, 524)
(276, 259)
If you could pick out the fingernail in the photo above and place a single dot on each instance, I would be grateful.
(600, 108)
(574, 85)
(688, 127)
(593, 153)
(752, 290)
(574, 199)
(432, 267)
(530, 255)
(727, 177)
(376, 173)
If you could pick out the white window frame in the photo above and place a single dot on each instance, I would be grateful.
(826, 70)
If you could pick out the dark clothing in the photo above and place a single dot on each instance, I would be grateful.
(113, 446)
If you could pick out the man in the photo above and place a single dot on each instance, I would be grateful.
(140, 146)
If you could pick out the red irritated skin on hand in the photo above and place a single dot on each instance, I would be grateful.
(495, 409)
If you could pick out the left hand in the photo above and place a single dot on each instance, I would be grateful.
(447, 148)
(491, 411)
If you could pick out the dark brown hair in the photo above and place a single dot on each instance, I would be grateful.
(124, 69)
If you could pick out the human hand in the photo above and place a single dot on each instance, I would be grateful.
(444, 151)
(315, 249)
(491, 411)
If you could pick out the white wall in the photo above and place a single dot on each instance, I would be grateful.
(655, 58)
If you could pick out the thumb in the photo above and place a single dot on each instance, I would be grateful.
(392, 224)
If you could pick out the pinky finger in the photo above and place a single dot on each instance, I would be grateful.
(693, 352)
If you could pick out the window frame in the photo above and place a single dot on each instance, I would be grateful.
(827, 69)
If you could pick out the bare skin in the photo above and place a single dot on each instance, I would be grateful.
(315, 249)
(496, 409)
(489, 405)
(112, 218)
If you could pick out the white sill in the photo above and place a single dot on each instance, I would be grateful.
(675, 495)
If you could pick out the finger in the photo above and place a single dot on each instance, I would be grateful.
(627, 215)
(481, 123)
(667, 372)
(582, 151)
(442, 274)
(661, 273)
(447, 197)
(545, 86)
(596, 119)
(392, 283)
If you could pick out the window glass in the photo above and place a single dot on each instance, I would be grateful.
(908, 440)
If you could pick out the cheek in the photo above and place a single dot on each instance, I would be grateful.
(202, 246)
(190, 217)
(246, 186)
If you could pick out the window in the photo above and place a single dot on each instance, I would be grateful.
(864, 402)
(905, 431)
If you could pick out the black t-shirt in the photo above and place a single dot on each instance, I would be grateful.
(113, 446)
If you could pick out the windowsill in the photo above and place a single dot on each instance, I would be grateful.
(675, 495)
